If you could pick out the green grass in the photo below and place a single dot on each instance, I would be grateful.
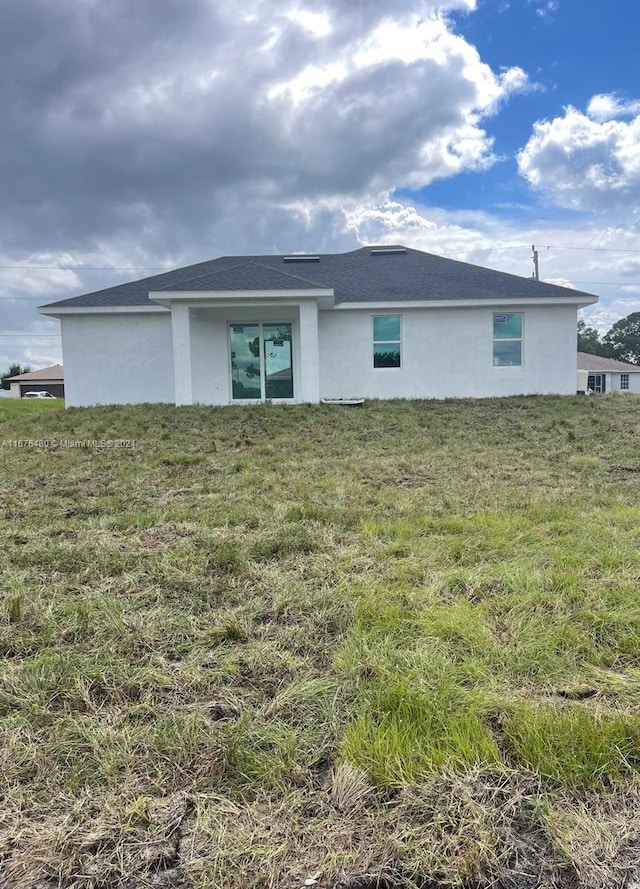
(437, 600)
(18, 408)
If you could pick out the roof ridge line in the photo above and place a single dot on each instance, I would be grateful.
(246, 262)
(288, 274)
(205, 275)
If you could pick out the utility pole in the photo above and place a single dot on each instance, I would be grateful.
(536, 270)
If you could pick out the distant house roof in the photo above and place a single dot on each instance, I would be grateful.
(50, 374)
(598, 363)
(369, 274)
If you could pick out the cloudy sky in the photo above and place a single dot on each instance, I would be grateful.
(147, 134)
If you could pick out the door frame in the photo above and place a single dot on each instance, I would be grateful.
(603, 382)
(262, 363)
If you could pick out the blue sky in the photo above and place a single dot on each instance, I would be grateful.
(571, 50)
(149, 137)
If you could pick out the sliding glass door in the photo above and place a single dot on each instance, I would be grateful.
(261, 361)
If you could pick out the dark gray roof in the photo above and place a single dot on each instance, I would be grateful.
(248, 276)
(598, 363)
(357, 276)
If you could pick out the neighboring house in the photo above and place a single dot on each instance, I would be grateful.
(48, 379)
(609, 375)
(378, 322)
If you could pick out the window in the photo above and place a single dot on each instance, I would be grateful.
(507, 339)
(624, 381)
(386, 340)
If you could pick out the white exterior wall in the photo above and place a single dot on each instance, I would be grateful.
(14, 390)
(124, 358)
(448, 353)
(117, 358)
(613, 382)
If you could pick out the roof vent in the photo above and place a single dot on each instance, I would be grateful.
(301, 257)
(379, 251)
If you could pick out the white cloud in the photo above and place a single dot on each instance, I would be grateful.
(608, 106)
(401, 104)
(318, 23)
(545, 9)
(586, 161)
(560, 282)
(159, 122)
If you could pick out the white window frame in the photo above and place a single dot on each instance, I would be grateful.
(374, 341)
(495, 340)
(624, 382)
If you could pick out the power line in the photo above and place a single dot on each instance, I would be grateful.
(490, 250)
(88, 268)
(597, 249)
(55, 335)
(161, 268)
(544, 247)
(609, 283)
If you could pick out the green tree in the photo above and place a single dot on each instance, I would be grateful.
(588, 339)
(12, 371)
(254, 347)
(623, 340)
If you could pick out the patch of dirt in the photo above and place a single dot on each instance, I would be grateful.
(576, 694)
(502, 633)
(413, 480)
(161, 535)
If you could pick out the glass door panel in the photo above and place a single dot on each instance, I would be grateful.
(278, 363)
(246, 363)
(597, 383)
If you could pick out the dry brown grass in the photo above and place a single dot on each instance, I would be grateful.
(600, 835)
(483, 830)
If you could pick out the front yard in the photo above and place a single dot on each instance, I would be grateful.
(249, 647)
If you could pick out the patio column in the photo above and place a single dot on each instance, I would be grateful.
(309, 352)
(181, 336)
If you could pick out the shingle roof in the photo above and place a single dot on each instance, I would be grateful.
(248, 276)
(598, 363)
(46, 373)
(357, 276)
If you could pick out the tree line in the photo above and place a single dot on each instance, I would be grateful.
(622, 342)
(12, 371)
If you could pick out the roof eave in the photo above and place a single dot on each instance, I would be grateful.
(324, 296)
(578, 301)
(56, 312)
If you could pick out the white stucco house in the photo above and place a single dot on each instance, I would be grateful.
(377, 322)
(608, 374)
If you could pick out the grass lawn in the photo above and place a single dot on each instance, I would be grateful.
(393, 646)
